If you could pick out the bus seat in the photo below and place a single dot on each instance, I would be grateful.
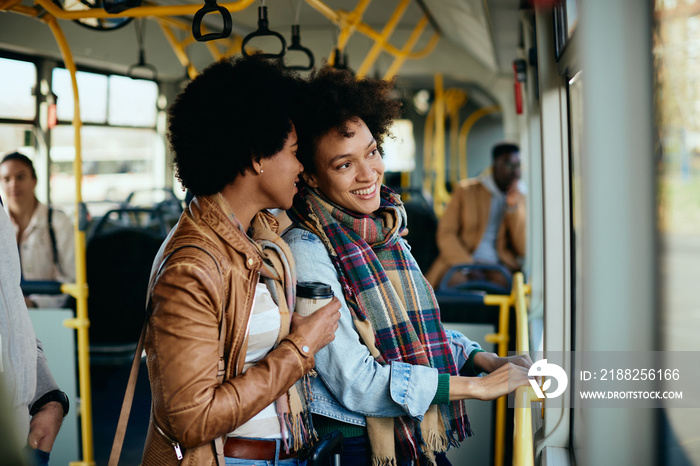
(163, 199)
(455, 283)
(462, 301)
(140, 218)
(119, 259)
(422, 226)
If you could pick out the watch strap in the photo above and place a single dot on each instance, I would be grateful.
(53, 395)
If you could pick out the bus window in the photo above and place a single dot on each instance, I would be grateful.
(132, 102)
(17, 80)
(93, 96)
(116, 161)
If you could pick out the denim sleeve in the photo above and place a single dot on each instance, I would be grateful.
(346, 366)
(462, 347)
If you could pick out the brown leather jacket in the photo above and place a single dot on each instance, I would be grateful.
(213, 267)
(463, 225)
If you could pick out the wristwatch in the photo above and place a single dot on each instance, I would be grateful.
(53, 395)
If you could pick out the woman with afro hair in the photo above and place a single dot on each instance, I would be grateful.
(223, 348)
(390, 379)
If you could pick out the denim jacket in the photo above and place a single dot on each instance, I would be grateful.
(350, 383)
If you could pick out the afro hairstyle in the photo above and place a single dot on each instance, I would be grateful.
(236, 111)
(335, 98)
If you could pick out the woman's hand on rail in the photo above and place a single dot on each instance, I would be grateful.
(489, 362)
(319, 328)
(500, 382)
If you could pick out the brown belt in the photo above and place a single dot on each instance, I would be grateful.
(250, 449)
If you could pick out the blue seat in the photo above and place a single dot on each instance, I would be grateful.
(119, 256)
(451, 285)
(463, 301)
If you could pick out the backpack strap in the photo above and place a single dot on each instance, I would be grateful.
(118, 442)
(52, 235)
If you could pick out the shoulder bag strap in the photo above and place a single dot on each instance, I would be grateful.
(52, 236)
(118, 443)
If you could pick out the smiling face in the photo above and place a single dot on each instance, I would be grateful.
(17, 181)
(281, 173)
(349, 170)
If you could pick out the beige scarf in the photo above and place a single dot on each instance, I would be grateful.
(279, 275)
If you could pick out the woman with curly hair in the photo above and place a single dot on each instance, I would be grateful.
(223, 348)
(390, 380)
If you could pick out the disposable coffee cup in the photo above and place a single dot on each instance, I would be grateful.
(311, 296)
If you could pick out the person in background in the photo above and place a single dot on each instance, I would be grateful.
(223, 348)
(43, 234)
(390, 380)
(484, 223)
(38, 404)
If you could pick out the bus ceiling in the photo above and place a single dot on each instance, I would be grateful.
(478, 40)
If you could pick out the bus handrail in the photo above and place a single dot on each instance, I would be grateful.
(523, 454)
(522, 439)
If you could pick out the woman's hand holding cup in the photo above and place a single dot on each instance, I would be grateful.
(318, 329)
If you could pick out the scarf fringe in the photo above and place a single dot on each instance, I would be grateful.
(376, 461)
(436, 441)
(297, 427)
(297, 431)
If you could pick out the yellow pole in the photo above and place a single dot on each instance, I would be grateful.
(388, 48)
(405, 180)
(516, 299)
(464, 132)
(502, 338)
(410, 43)
(79, 290)
(522, 341)
(351, 22)
(389, 27)
(137, 12)
(454, 140)
(347, 22)
(440, 195)
(455, 99)
(523, 452)
(428, 151)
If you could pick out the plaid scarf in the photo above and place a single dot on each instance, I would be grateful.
(384, 287)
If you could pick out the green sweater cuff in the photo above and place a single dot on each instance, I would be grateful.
(324, 425)
(442, 395)
(468, 369)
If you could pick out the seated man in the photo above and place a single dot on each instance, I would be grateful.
(485, 220)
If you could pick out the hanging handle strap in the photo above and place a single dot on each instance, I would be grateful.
(209, 7)
(142, 65)
(264, 30)
(296, 45)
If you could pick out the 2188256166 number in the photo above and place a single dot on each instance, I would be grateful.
(640, 374)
